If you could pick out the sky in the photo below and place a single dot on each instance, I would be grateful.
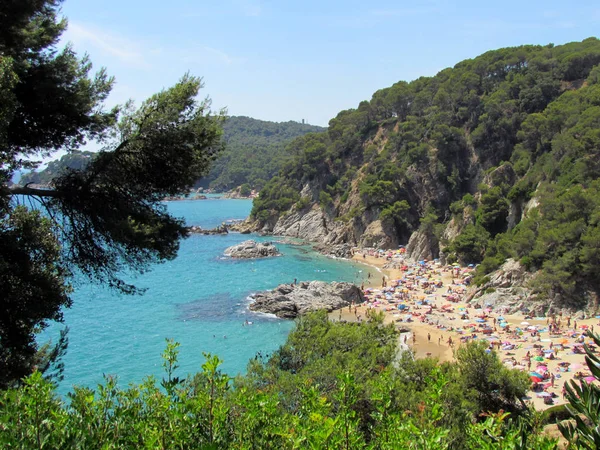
(292, 60)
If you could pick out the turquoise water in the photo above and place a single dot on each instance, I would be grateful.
(199, 299)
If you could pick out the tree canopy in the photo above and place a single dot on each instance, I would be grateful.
(97, 219)
(255, 151)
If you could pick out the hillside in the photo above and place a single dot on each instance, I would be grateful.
(72, 160)
(495, 158)
(255, 151)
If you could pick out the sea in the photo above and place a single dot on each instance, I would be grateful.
(200, 299)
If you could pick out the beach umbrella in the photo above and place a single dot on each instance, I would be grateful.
(536, 379)
(590, 379)
(535, 374)
(539, 358)
(576, 366)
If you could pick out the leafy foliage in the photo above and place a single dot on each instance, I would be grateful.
(332, 385)
(584, 405)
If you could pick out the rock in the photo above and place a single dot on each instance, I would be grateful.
(246, 226)
(376, 236)
(421, 246)
(289, 301)
(221, 229)
(252, 249)
(310, 226)
(506, 290)
(336, 250)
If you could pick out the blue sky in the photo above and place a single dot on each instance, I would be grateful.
(294, 60)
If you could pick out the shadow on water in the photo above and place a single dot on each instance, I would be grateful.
(302, 258)
(213, 308)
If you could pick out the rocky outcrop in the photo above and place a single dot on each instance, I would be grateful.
(310, 225)
(376, 236)
(221, 229)
(242, 227)
(252, 249)
(289, 301)
(335, 251)
(506, 290)
(421, 246)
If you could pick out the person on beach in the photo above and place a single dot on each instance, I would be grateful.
(428, 337)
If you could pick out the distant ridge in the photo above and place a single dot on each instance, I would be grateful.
(255, 151)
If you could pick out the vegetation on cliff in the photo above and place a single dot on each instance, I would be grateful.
(503, 147)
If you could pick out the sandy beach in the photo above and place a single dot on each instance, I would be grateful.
(426, 299)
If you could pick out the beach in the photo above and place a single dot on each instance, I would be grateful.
(427, 300)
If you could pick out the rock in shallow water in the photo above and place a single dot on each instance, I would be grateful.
(289, 301)
(252, 249)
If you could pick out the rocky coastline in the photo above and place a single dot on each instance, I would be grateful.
(289, 301)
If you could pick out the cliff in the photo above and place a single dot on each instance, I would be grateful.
(482, 163)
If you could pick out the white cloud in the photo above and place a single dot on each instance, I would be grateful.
(125, 50)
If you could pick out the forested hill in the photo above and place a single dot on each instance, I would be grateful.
(495, 158)
(72, 160)
(255, 151)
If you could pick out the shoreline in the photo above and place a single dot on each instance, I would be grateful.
(433, 324)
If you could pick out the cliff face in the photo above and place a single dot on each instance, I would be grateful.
(493, 159)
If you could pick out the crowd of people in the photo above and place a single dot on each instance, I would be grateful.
(428, 298)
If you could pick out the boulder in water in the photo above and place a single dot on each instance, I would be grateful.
(252, 249)
(289, 301)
